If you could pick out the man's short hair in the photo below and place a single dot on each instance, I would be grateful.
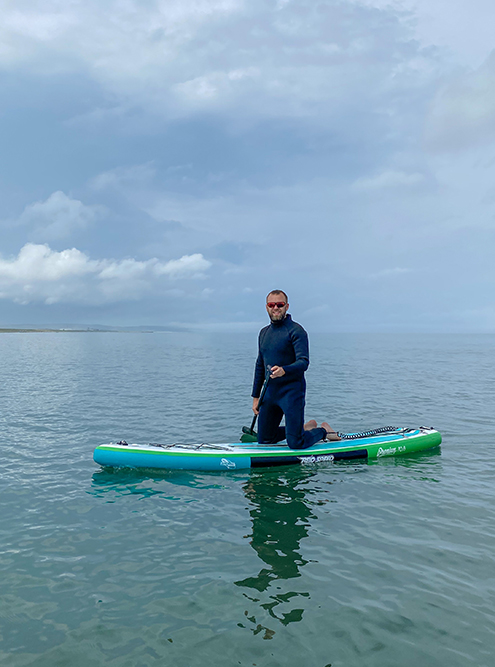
(278, 291)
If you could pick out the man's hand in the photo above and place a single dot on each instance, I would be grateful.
(276, 372)
(255, 406)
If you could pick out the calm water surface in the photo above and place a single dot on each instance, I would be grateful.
(381, 564)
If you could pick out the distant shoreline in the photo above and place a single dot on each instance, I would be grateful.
(13, 330)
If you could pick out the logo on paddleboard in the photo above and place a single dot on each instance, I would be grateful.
(314, 459)
(227, 464)
(390, 451)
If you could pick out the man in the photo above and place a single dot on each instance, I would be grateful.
(283, 351)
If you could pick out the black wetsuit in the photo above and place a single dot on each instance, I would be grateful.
(284, 344)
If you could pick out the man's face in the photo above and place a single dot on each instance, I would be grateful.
(276, 307)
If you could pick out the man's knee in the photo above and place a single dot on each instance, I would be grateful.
(296, 441)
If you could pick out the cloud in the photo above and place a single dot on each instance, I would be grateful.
(249, 60)
(462, 114)
(58, 217)
(389, 179)
(463, 29)
(282, 139)
(40, 274)
(390, 273)
(187, 266)
(122, 177)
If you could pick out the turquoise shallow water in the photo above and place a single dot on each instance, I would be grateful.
(389, 563)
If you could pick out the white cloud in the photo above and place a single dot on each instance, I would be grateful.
(187, 266)
(40, 274)
(389, 179)
(390, 273)
(58, 217)
(39, 262)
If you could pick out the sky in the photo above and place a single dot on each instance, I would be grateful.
(167, 163)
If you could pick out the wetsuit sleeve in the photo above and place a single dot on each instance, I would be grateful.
(259, 372)
(299, 340)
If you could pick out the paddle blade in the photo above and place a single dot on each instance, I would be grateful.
(249, 437)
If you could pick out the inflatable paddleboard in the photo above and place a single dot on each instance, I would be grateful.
(377, 443)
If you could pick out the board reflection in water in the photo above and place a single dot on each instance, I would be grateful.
(281, 516)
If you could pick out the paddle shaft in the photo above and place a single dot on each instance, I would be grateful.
(262, 393)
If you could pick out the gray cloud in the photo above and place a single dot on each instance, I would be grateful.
(462, 114)
(389, 179)
(280, 143)
(255, 60)
(58, 217)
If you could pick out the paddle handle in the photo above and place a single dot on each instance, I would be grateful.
(253, 423)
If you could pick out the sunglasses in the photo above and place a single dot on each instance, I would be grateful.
(277, 304)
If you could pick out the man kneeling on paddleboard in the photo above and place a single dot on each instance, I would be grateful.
(283, 357)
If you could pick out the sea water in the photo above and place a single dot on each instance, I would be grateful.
(389, 563)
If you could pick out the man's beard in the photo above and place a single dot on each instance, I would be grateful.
(279, 318)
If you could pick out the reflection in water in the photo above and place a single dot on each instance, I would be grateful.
(113, 483)
(281, 516)
(427, 465)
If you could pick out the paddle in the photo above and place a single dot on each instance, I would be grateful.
(249, 434)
